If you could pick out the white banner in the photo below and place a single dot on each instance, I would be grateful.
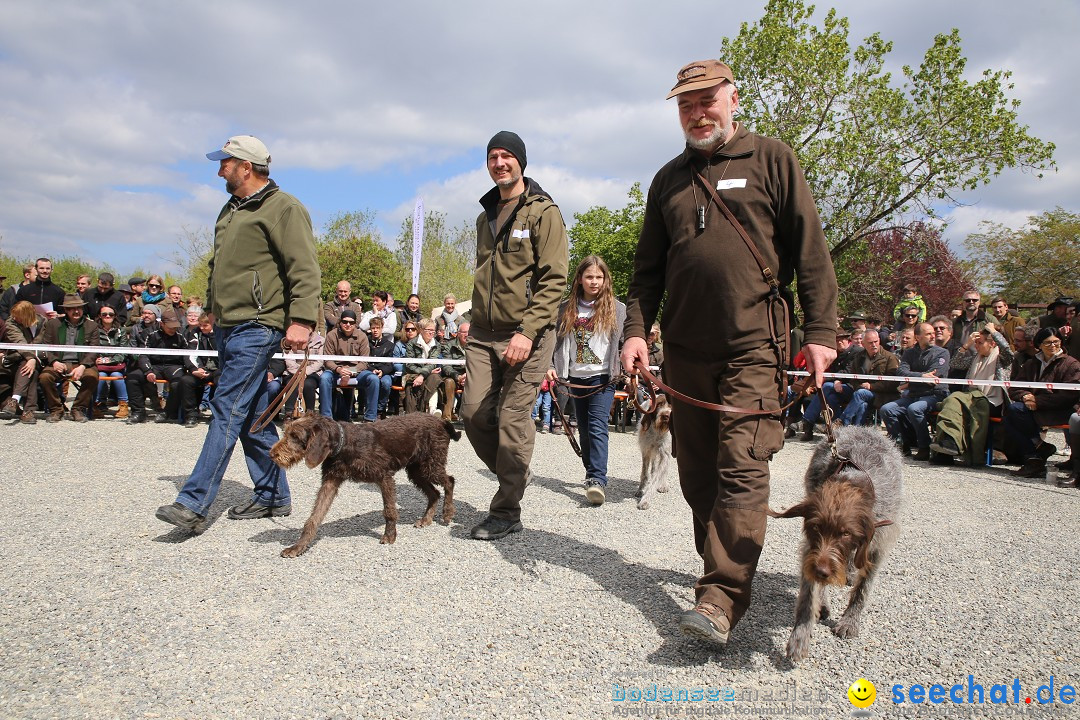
(417, 242)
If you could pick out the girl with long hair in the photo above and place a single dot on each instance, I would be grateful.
(21, 329)
(588, 337)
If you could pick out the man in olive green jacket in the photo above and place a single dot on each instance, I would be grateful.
(521, 263)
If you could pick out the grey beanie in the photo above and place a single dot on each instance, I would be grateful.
(154, 309)
(511, 142)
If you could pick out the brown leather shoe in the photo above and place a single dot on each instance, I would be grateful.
(10, 409)
(28, 417)
(1033, 467)
(55, 416)
(78, 415)
(706, 621)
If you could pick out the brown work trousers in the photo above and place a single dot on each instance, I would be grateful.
(84, 400)
(723, 461)
(496, 408)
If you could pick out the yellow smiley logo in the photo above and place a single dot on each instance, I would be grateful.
(862, 693)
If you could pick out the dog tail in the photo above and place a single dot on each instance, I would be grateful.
(451, 430)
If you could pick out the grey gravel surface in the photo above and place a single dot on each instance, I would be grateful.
(105, 612)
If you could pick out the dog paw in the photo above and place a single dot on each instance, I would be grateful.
(291, 552)
(848, 627)
(388, 540)
(662, 488)
(643, 504)
(823, 613)
(798, 644)
(422, 522)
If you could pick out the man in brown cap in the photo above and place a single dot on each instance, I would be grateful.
(73, 329)
(732, 219)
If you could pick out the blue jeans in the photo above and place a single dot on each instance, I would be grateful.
(337, 407)
(833, 398)
(542, 407)
(909, 418)
(103, 386)
(859, 407)
(244, 352)
(593, 413)
(385, 383)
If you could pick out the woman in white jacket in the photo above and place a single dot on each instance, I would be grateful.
(589, 334)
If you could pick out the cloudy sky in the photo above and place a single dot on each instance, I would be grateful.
(110, 106)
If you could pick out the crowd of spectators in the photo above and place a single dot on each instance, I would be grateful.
(939, 423)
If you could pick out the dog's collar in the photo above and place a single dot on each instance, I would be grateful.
(340, 441)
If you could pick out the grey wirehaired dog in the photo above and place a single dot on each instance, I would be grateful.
(654, 440)
(371, 453)
(854, 492)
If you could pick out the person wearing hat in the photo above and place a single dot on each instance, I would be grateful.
(1056, 313)
(523, 254)
(263, 289)
(746, 268)
(106, 295)
(346, 339)
(73, 329)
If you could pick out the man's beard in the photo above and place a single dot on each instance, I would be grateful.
(230, 186)
(715, 139)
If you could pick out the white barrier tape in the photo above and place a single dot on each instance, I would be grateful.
(947, 381)
(123, 350)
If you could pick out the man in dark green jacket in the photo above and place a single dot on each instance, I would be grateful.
(521, 260)
(264, 286)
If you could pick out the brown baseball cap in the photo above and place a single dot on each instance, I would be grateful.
(700, 74)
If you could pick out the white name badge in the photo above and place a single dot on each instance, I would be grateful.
(733, 183)
(524, 233)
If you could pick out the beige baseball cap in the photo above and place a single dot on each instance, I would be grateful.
(242, 147)
(700, 74)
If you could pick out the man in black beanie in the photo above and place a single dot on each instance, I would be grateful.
(522, 253)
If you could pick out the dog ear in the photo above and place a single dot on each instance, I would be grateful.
(798, 510)
(318, 445)
(647, 420)
(864, 545)
(882, 523)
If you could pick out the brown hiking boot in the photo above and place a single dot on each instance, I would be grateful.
(55, 416)
(122, 411)
(28, 417)
(9, 410)
(706, 621)
(78, 415)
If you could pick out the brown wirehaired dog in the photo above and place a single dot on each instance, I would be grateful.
(371, 452)
(654, 441)
(852, 491)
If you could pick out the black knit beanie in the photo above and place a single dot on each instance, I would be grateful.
(512, 143)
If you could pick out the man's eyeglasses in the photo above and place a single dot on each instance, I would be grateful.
(971, 300)
(940, 328)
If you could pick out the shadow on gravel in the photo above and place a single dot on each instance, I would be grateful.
(617, 490)
(370, 523)
(231, 493)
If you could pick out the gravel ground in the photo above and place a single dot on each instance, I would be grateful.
(109, 613)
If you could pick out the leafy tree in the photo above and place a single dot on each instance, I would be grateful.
(447, 259)
(1035, 263)
(611, 234)
(874, 152)
(193, 259)
(351, 248)
(872, 274)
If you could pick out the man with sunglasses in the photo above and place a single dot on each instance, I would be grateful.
(263, 288)
(972, 319)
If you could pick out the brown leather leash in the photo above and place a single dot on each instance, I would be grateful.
(295, 382)
(569, 431)
(655, 382)
(593, 389)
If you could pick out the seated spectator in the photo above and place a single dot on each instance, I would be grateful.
(42, 293)
(382, 309)
(1023, 349)
(446, 324)
(133, 301)
(383, 346)
(421, 379)
(7, 299)
(339, 304)
(836, 392)
(964, 419)
(656, 349)
(76, 330)
(907, 419)
(905, 340)
(154, 294)
(409, 313)
(409, 331)
(175, 301)
(104, 295)
(908, 318)
(1056, 313)
(943, 334)
(157, 330)
(1005, 319)
(868, 396)
(21, 329)
(453, 375)
(199, 370)
(345, 339)
(1033, 408)
(111, 333)
(82, 286)
(909, 297)
(972, 318)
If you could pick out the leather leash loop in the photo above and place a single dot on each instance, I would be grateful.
(278, 402)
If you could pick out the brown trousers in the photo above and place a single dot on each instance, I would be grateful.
(84, 400)
(496, 408)
(723, 464)
(417, 397)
